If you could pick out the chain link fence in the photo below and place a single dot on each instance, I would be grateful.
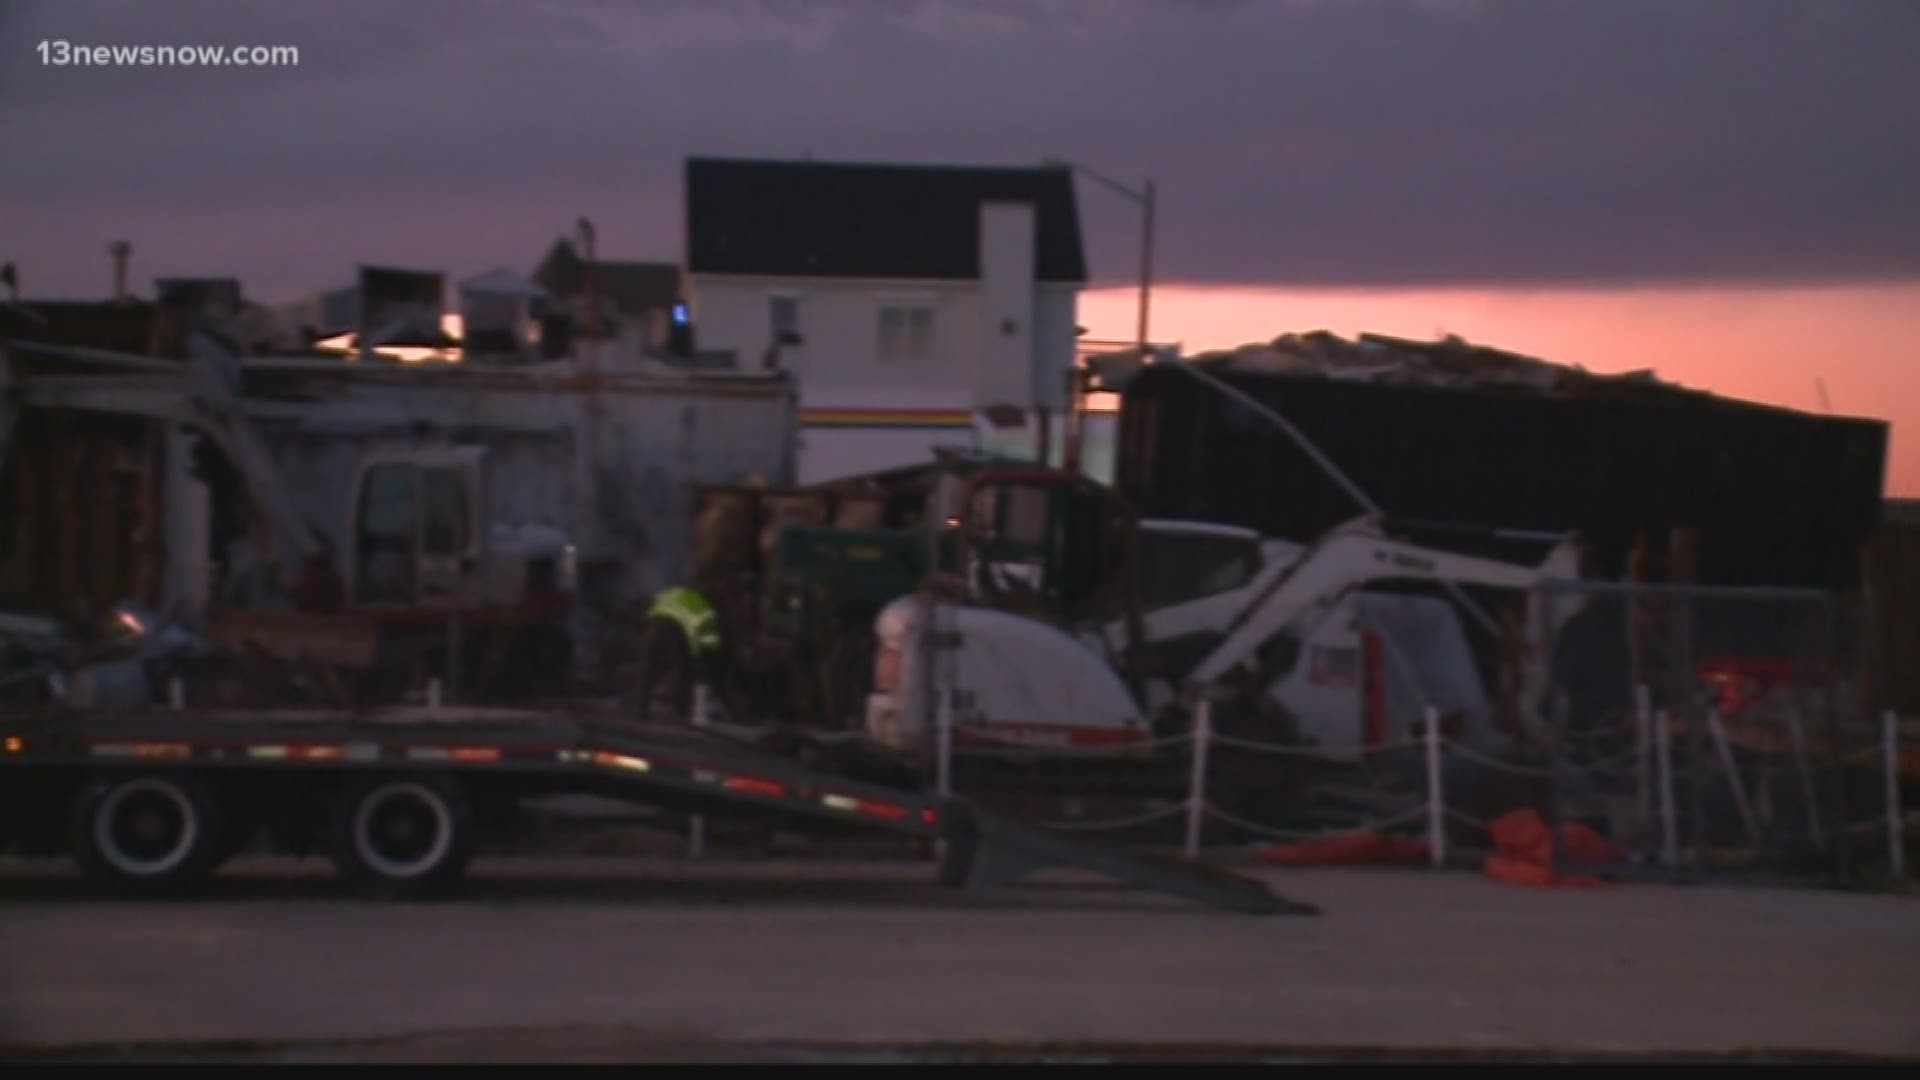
(1696, 733)
(1720, 733)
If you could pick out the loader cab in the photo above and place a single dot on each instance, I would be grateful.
(416, 521)
(1046, 543)
(1182, 561)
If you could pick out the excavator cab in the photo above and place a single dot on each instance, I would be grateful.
(419, 540)
(416, 525)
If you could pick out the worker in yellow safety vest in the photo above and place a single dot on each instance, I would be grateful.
(690, 611)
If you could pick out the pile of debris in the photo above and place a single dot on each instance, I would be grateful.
(135, 658)
(1450, 362)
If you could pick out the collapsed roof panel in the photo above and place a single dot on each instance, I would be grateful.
(1777, 497)
(1448, 362)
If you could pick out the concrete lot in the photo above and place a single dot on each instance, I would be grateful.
(658, 959)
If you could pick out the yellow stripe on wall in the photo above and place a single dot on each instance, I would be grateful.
(929, 418)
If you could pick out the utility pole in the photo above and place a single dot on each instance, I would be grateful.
(120, 250)
(1146, 263)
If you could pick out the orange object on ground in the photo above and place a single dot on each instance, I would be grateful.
(1525, 855)
(1345, 849)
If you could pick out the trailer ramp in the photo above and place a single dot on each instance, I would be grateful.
(983, 851)
(986, 852)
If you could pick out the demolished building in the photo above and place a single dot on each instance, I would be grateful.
(1488, 448)
(123, 481)
(1450, 432)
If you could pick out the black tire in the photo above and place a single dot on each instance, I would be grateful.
(153, 833)
(402, 835)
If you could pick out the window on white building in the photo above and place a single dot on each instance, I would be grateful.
(906, 332)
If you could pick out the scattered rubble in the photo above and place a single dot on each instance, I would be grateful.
(1451, 362)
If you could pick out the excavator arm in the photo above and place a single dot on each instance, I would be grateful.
(1348, 558)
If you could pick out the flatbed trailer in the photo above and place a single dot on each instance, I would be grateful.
(156, 801)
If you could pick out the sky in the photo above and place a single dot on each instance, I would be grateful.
(1727, 191)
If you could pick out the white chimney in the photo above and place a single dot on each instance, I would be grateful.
(120, 250)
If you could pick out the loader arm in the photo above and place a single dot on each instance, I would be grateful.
(1345, 560)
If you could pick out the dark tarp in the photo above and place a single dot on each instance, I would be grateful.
(1777, 497)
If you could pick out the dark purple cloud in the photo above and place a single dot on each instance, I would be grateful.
(1511, 142)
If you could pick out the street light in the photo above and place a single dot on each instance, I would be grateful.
(1145, 198)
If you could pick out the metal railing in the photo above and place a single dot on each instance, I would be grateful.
(1637, 754)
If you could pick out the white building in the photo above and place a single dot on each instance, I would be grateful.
(911, 302)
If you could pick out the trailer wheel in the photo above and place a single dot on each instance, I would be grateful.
(403, 835)
(153, 832)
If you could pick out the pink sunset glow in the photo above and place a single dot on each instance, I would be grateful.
(1773, 345)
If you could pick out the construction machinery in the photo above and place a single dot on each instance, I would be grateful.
(1032, 647)
(414, 574)
(1061, 624)
(787, 583)
(775, 616)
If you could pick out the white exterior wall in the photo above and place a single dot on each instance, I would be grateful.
(1056, 334)
(1007, 372)
(657, 437)
(839, 365)
(972, 363)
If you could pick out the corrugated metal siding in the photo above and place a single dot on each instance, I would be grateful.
(82, 524)
(1777, 497)
(1893, 561)
(656, 440)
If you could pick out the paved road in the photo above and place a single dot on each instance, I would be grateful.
(657, 959)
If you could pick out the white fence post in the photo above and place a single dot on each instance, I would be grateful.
(1808, 790)
(697, 825)
(1727, 762)
(1436, 796)
(1197, 781)
(1663, 754)
(1896, 845)
(1643, 747)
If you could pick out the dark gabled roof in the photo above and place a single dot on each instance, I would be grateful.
(633, 287)
(836, 219)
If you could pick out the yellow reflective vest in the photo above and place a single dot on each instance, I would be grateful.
(692, 613)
